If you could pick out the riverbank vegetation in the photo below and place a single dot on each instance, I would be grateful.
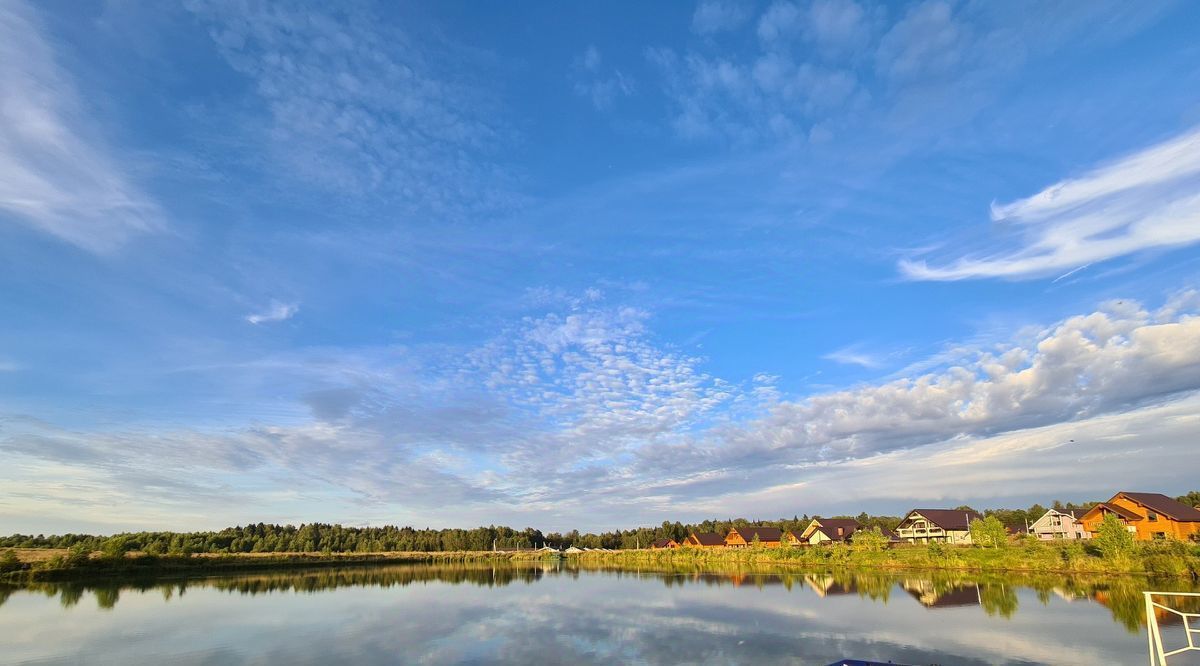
(1110, 553)
(319, 537)
(79, 563)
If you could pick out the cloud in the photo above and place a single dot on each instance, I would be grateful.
(277, 311)
(56, 173)
(1143, 201)
(601, 88)
(580, 417)
(927, 43)
(713, 16)
(355, 104)
(853, 355)
(801, 74)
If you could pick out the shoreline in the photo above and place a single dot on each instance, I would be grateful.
(1167, 561)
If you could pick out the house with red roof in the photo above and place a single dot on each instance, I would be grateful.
(951, 526)
(1147, 515)
(829, 530)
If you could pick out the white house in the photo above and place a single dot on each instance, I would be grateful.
(1058, 525)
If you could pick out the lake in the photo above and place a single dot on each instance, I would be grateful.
(559, 613)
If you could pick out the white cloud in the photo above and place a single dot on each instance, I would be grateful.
(713, 16)
(1147, 200)
(600, 87)
(854, 355)
(277, 311)
(928, 42)
(355, 105)
(580, 418)
(56, 174)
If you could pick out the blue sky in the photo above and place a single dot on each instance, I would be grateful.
(574, 266)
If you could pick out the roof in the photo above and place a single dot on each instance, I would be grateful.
(708, 538)
(948, 519)
(1168, 507)
(1119, 510)
(662, 543)
(763, 533)
(829, 527)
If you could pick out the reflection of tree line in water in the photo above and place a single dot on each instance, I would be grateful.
(996, 595)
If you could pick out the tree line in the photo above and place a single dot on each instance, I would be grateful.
(320, 537)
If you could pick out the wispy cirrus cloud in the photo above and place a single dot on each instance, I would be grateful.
(1144, 201)
(353, 103)
(57, 174)
(713, 16)
(276, 311)
(854, 355)
(603, 87)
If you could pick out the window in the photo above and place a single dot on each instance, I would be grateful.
(1160, 535)
(1152, 516)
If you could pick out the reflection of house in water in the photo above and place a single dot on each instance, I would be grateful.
(1069, 595)
(826, 585)
(941, 596)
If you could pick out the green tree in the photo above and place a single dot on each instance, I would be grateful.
(116, 547)
(871, 540)
(1113, 539)
(988, 533)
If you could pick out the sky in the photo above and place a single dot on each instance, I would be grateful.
(592, 266)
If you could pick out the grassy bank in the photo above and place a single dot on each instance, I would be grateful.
(57, 564)
(1155, 558)
(1168, 558)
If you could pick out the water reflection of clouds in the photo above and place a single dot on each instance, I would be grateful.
(585, 618)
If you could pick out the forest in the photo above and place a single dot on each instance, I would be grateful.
(319, 537)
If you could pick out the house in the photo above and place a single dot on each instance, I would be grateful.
(1058, 525)
(704, 540)
(931, 595)
(740, 537)
(1147, 515)
(664, 543)
(791, 539)
(937, 525)
(830, 530)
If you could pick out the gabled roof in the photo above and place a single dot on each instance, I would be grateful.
(1117, 509)
(1051, 513)
(947, 519)
(829, 527)
(708, 538)
(1168, 507)
(764, 534)
(662, 543)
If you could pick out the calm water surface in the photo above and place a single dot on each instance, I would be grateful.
(560, 614)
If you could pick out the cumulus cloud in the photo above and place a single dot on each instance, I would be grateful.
(580, 417)
(277, 311)
(1143, 201)
(56, 173)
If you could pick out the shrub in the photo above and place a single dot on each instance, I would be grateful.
(115, 547)
(988, 533)
(1113, 539)
(870, 541)
(9, 561)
